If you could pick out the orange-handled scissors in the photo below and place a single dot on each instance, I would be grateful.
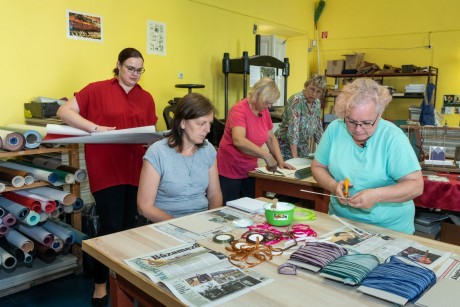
(345, 184)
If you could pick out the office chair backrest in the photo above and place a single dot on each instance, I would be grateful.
(168, 114)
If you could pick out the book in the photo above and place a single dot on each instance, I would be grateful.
(197, 275)
(247, 204)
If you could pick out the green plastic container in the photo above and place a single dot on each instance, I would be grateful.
(281, 216)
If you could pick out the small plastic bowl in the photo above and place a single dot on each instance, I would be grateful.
(281, 216)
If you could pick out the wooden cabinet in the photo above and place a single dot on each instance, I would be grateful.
(23, 277)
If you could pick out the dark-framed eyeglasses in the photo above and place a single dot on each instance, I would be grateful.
(133, 70)
(365, 124)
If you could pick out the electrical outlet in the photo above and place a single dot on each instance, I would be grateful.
(181, 75)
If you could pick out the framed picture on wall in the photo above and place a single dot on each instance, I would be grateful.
(83, 26)
(156, 37)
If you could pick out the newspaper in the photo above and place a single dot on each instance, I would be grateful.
(196, 275)
(358, 241)
(210, 222)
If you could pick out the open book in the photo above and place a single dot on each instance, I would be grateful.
(196, 275)
(63, 134)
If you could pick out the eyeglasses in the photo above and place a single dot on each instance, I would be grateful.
(364, 124)
(133, 70)
(314, 90)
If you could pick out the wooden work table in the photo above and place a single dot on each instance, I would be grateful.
(286, 290)
(291, 187)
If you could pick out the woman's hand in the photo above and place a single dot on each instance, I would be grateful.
(272, 165)
(364, 199)
(287, 165)
(339, 191)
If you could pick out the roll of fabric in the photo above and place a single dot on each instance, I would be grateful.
(16, 252)
(12, 141)
(80, 175)
(57, 212)
(48, 205)
(78, 205)
(19, 212)
(37, 233)
(17, 239)
(25, 201)
(28, 178)
(44, 252)
(9, 175)
(79, 236)
(62, 176)
(63, 233)
(7, 260)
(58, 244)
(32, 219)
(9, 219)
(66, 198)
(36, 172)
(4, 229)
(3, 212)
(43, 216)
(32, 136)
(2, 187)
(28, 258)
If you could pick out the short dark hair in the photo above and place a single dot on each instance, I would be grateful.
(191, 106)
(124, 55)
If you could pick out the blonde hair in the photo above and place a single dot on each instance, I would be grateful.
(264, 90)
(318, 81)
(361, 91)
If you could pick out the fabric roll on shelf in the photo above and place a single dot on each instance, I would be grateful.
(8, 175)
(43, 216)
(53, 163)
(7, 260)
(9, 219)
(19, 240)
(3, 212)
(58, 244)
(62, 176)
(37, 233)
(25, 201)
(51, 177)
(32, 219)
(4, 229)
(28, 178)
(59, 231)
(46, 204)
(79, 236)
(31, 134)
(66, 198)
(18, 211)
(78, 205)
(2, 187)
(44, 252)
(12, 141)
(16, 252)
(28, 258)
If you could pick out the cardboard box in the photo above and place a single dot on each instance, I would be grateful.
(353, 61)
(450, 233)
(40, 109)
(335, 67)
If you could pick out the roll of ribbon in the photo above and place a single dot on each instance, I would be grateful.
(223, 238)
(302, 214)
(12, 141)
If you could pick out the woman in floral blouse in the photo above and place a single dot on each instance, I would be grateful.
(302, 119)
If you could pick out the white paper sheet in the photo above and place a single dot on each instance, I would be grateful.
(63, 134)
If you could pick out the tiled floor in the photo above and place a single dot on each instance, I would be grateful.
(69, 291)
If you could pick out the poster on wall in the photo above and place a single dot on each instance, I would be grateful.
(156, 37)
(83, 26)
(258, 72)
(451, 104)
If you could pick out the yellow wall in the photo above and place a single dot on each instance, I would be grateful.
(396, 32)
(39, 60)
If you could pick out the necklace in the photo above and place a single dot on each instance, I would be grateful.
(189, 168)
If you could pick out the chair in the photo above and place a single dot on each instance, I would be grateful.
(168, 111)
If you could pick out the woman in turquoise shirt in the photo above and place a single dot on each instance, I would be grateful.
(374, 154)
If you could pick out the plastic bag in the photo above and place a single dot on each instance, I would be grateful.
(90, 221)
(427, 107)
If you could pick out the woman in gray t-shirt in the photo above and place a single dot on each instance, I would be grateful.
(179, 175)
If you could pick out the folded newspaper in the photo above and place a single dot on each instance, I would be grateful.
(197, 275)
